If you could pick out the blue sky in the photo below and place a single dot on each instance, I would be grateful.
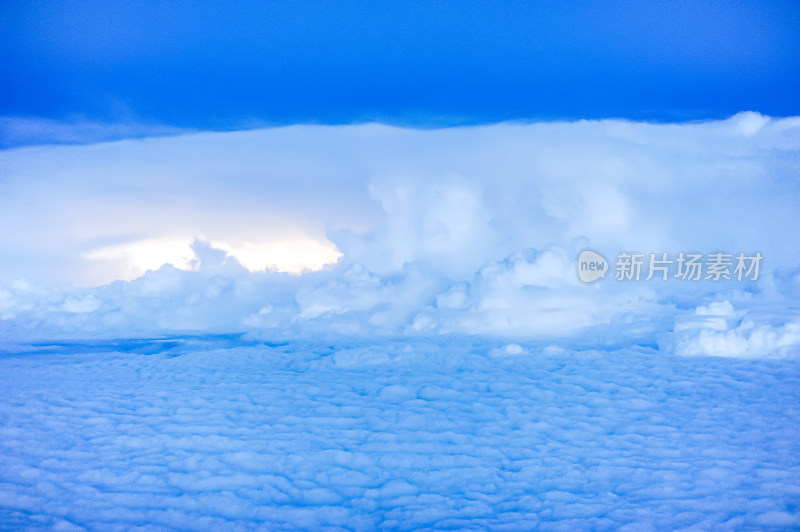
(214, 65)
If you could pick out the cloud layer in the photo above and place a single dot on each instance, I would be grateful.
(452, 231)
(225, 435)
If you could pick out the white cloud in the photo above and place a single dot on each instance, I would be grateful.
(509, 350)
(529, 294)
(745, 341)
(720, 329)
(442, 221)
(462, 230)
(749, 123)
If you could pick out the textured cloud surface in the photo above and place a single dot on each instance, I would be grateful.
(231, 435)
(471, 230)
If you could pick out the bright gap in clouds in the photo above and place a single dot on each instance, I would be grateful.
(292, 256)
(131, 260)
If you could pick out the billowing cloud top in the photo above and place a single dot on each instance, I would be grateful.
(472, 230)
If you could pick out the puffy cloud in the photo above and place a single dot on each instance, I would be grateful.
(718, 329)
(530, 294)
(442, 222)
(745, 341)
(452, 231)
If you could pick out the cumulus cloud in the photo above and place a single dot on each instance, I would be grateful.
(527, 294)
(745, 341)
(442, 221)
(406, 232)
(718, 329)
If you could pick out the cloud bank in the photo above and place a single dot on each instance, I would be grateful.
(471, 230)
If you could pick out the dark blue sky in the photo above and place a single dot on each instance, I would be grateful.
(238, 64)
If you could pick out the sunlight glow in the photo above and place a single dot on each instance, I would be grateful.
(131, 260)
(293, 256)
